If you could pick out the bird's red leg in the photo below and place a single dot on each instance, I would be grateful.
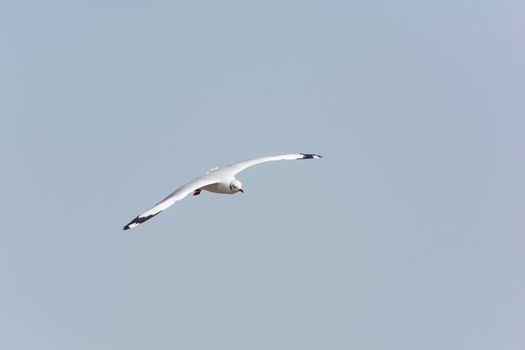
(197, 192)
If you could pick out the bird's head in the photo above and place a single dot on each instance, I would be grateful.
(236, 186)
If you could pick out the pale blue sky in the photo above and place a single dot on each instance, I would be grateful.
(407, 235)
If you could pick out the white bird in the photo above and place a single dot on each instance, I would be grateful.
(218, 180)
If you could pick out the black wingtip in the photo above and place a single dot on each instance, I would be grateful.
(139, 220)
(310, 156)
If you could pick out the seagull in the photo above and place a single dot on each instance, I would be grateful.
(218, 180)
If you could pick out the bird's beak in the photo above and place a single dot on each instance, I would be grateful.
(241, 190)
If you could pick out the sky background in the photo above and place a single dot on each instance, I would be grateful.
(408, 234)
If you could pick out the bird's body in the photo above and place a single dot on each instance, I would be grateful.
(218, 187)
(217, 180)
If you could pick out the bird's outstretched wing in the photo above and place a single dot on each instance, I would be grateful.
(216, 176)
(175, 196)
(236, 168)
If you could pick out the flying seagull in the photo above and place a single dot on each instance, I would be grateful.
(218, 180)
